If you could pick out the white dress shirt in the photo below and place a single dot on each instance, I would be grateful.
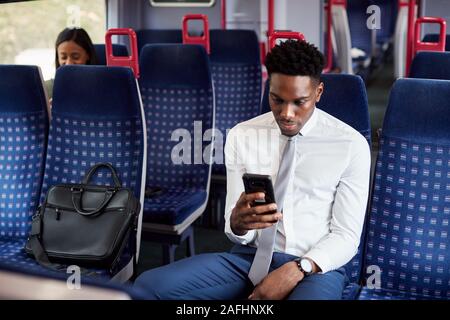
(326, 198)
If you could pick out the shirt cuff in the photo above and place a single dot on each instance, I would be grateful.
(321, 259)
(245, 239)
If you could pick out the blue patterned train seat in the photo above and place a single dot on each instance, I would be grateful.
(178, 99)
(236, 69)
(97, 117)
(23, 140)
(408, 229)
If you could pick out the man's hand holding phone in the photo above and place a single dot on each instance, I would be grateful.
(245, 216)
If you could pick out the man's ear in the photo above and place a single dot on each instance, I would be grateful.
(319, 91)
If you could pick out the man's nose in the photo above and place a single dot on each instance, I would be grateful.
(288, 111)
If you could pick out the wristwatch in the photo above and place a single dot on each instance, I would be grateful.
(305, 266)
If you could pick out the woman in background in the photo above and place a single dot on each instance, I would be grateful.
(73, 46)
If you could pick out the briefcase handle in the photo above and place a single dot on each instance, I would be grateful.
(77, 194)
(94, 168)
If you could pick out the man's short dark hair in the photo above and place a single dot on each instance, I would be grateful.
(295, 58)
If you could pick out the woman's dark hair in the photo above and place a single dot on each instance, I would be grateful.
(295, 58)
(81, 38)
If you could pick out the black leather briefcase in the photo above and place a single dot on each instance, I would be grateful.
(84, 225)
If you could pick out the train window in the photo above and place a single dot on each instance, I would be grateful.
(28, 30)
(182, 3)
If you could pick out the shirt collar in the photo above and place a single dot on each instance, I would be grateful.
(309, 124)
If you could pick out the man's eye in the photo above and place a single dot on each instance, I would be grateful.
(277, 101)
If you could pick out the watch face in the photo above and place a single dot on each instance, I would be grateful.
(306, 265)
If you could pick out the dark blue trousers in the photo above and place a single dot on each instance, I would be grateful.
(224, 276)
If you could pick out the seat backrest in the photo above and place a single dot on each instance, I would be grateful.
(236, 67)
(23, 139)
(344, 97)
(119, 50)
(431, 65)
(434, 37)
(177, 93)
(97, 116)
(153, 36)
(408, 225)
(388, 17)
(361, 36)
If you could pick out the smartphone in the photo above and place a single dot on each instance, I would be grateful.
(259, 183)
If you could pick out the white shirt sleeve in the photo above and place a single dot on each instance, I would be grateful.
(235, 186)
(348, 212)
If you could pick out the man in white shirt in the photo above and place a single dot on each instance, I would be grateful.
(320, 225)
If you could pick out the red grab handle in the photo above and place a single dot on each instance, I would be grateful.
(403, 3)
(284, 35)
(130, 61)
(201, 40)
(339, 2)
(429, 46)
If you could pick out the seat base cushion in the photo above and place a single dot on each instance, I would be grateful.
(173, 205)
(351, 291)
(14, 256)
(386, 294)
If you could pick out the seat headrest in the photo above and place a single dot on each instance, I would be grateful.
(174, 66)
(419, 110)
(234, 46)
(152, 36)
(21, 89)
(119, 50)
(345, 98)
(434, 37)
(431, 65)
(100, 91)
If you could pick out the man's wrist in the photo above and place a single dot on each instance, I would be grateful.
(297, 273)
(239, 233)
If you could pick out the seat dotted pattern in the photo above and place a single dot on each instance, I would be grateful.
(174, 205)
(350, 291)
(353, 267)
(170, 111)
(382, 294)
(75, 145)
(12, 254)
(409, 220)
(238, 97)
(22, 140)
